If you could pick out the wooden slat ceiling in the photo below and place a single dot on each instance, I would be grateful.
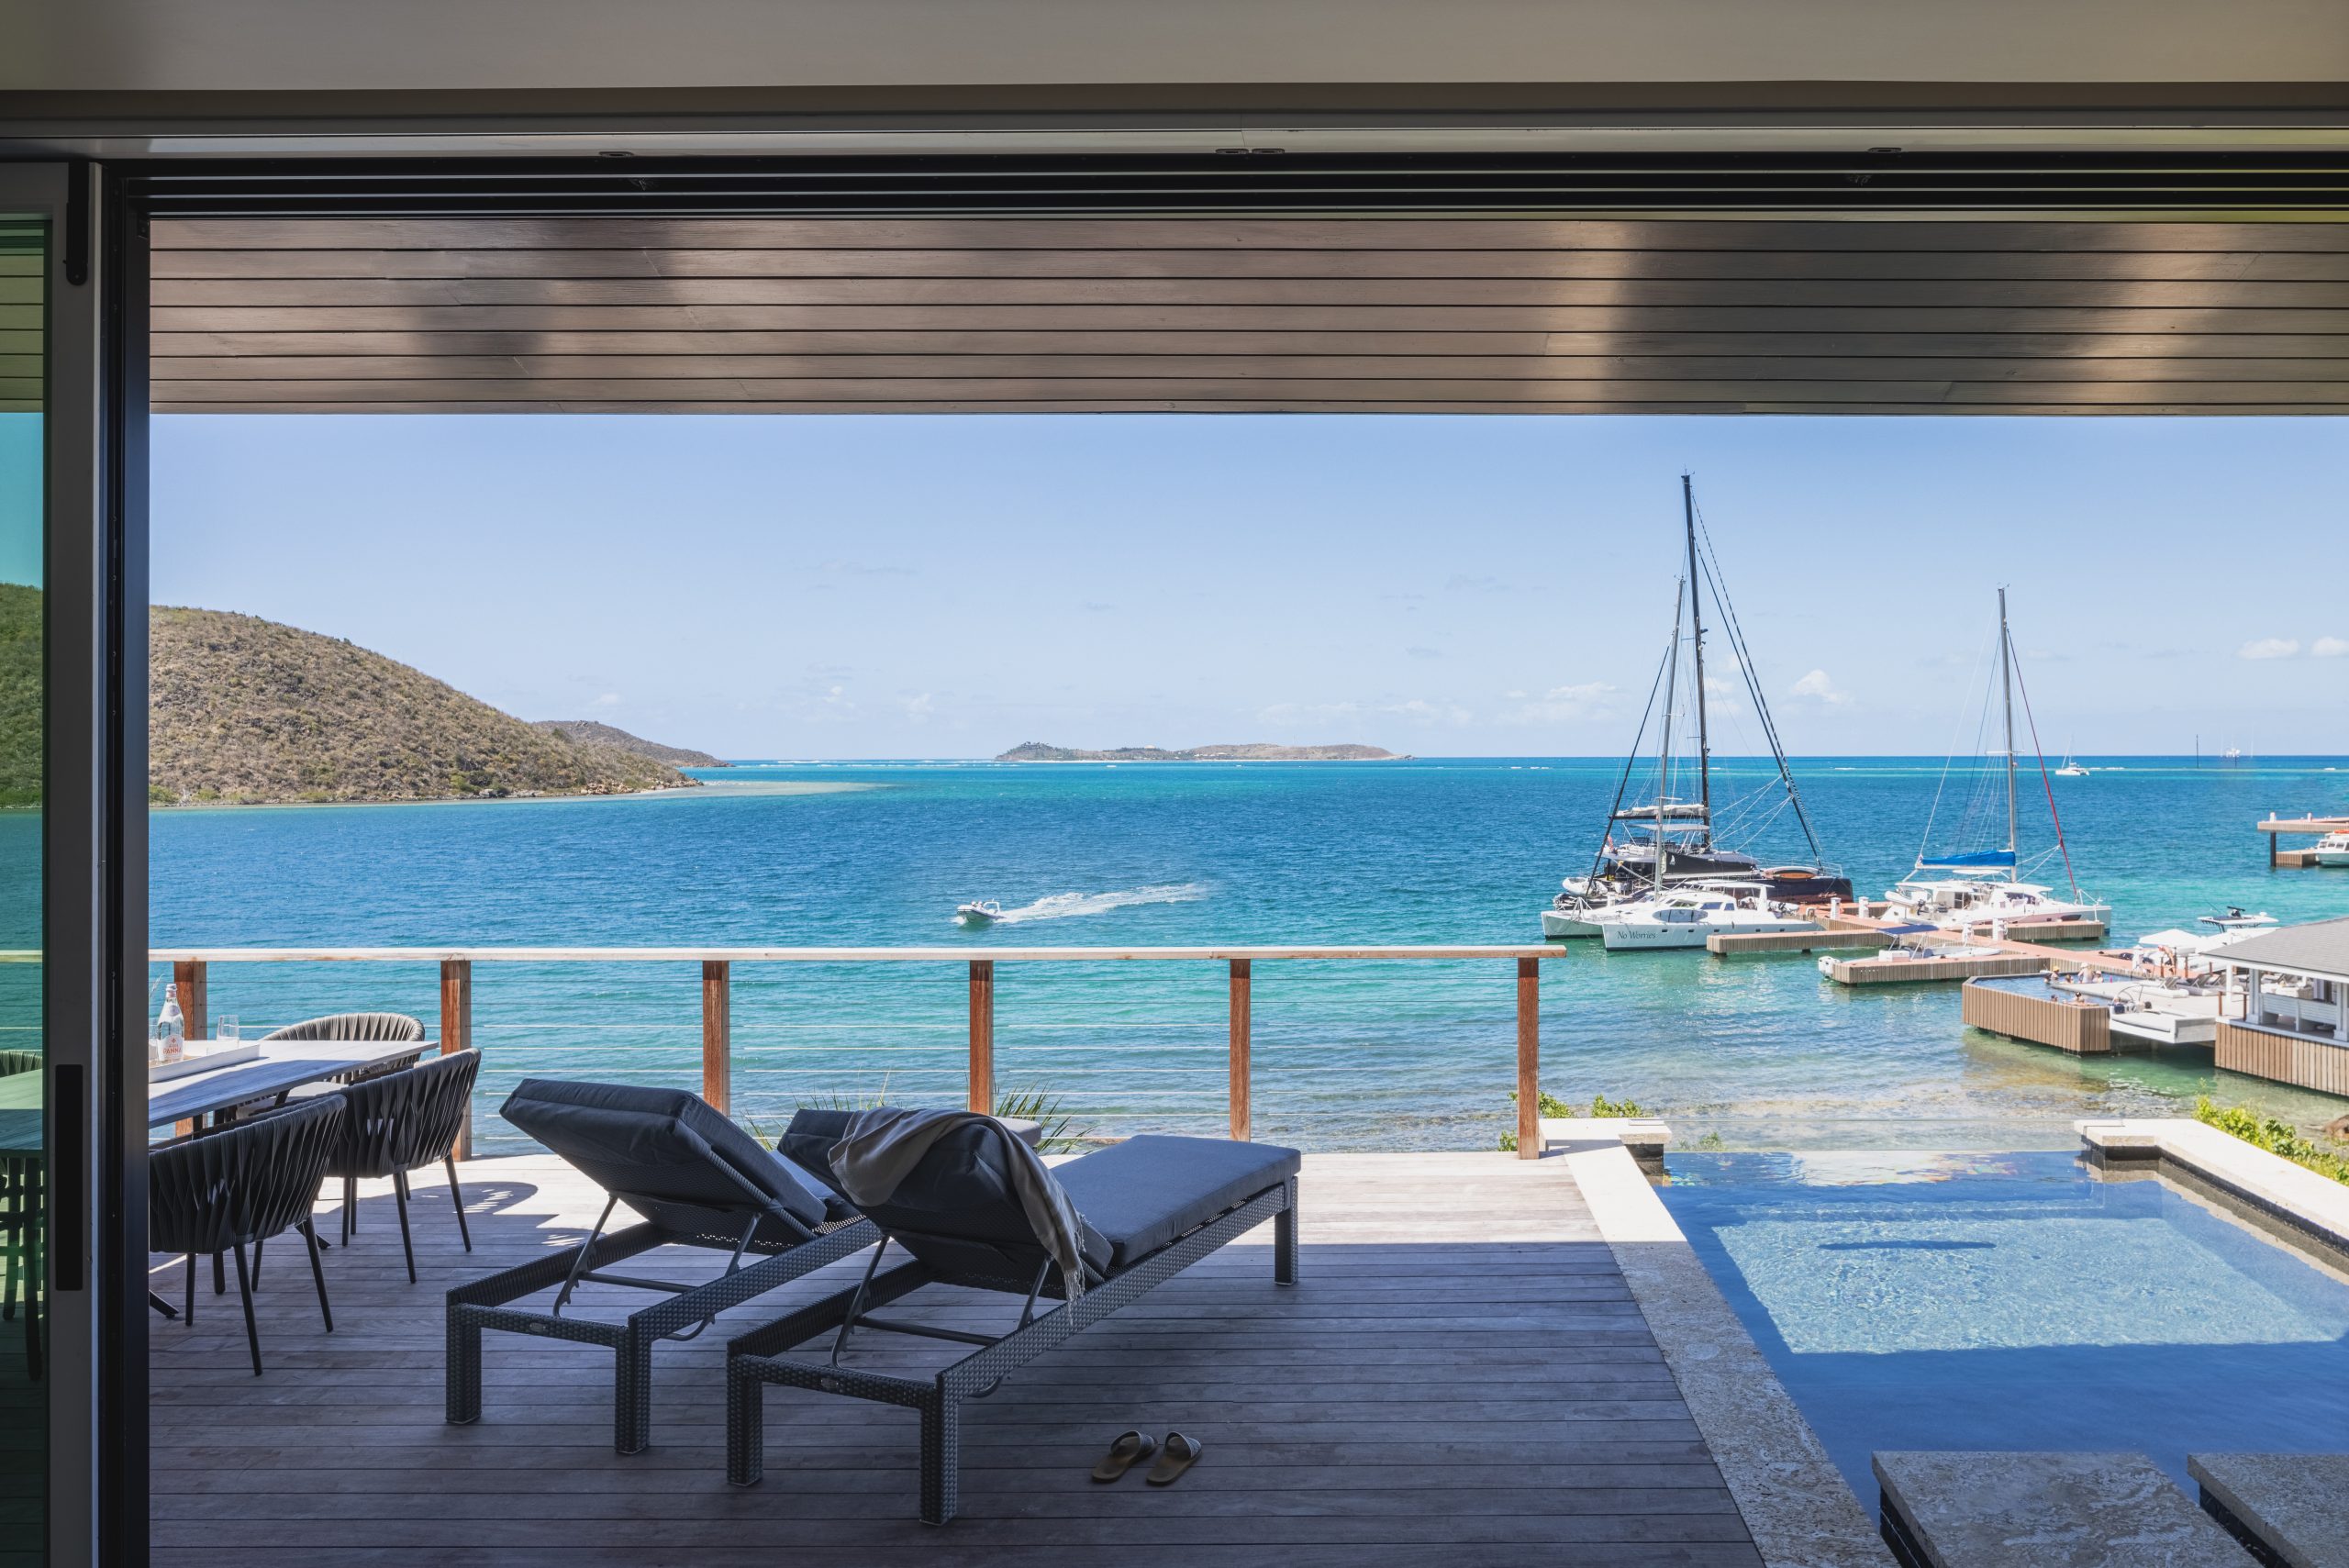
(1567, 315)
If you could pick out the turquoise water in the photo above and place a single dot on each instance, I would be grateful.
(1760, 1053)
(2016, 1302)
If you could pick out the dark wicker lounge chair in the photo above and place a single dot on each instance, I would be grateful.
(1151, 1207)
(245, 1182)
(400, 1122)
(698, 1181)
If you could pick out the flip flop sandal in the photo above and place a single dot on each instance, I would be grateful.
(1129, 1450)
(1181, 1453)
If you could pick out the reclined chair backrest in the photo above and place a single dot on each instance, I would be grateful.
(673, 1157)
(957, 1210)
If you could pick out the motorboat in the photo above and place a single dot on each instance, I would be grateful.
(2332, 850)
(1684, 917)
(2235, 920)
(1672, 838)
(979, 912)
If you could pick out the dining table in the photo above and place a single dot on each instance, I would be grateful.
(279, 1066)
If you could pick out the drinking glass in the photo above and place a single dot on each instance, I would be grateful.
(226, 1032)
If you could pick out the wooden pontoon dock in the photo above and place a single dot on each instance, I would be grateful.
(2277, 827)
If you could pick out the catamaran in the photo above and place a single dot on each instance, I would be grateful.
(1672, 840)
(1963, 890)
(1684, 917)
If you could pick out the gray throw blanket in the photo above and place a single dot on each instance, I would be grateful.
(882, 1146)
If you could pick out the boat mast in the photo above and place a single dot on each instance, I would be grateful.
(1696, 631)
(2006, 673)
(1664, 745)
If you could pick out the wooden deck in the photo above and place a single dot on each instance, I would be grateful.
(1460, 1365)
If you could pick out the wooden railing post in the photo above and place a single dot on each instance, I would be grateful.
(982, 1097)
(1529, 1058)
(1240, 1110)
(193, 976)
(717, 1034)
(457, 1029)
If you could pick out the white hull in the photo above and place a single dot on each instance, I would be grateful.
(1651, 936)
(1558, 923)
(2332, 857)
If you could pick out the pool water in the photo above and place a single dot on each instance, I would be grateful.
(2017, 1301)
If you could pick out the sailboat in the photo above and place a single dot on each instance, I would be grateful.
(1669, 840)
(2070, 770)
(1965, 889)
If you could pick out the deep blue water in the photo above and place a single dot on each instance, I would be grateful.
(1760, 1053)
(2016, 1302)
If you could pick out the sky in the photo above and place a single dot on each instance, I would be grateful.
(1465, 586)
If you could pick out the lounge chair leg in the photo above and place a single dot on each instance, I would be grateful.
(350, 1207)
(219, 1276)
(258, 1245)
(1285, 1239)
(317, 1272)
(457, 1196)
(632, 1394)
(399, 1192)
(746, 1429)
(942, 1459)
(460, 1389)
(190, 1314)
(245, 1290)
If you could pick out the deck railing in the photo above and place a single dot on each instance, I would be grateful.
(192, 967)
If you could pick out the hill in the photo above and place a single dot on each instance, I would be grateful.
(588, 733)
(1251, 752)
(247, 710)
(20, 694)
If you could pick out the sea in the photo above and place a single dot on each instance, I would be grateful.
(1760, 1053)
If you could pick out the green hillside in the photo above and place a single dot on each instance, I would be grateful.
(246, 710)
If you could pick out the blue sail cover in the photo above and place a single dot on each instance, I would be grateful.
(1978, 859)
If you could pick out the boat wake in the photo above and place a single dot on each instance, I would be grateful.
(1062, 905)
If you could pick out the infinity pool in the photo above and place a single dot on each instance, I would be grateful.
(2017, 1301)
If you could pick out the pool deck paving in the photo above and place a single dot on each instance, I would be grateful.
(1963, 1509)
(2294, 1505)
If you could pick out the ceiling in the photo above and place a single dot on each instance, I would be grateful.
(1876, 314)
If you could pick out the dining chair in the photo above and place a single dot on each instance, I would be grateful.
(401, 1122)
(244, 1183)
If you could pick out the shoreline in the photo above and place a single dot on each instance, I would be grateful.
(698, 789)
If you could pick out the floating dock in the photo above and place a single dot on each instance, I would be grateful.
(2082, 1028)
(1908, 969)
(2277, 827)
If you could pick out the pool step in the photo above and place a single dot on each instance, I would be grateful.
(2044, 1511)
(2290, 1508)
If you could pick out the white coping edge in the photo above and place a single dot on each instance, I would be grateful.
(1795, 1504)
(2317, 1203)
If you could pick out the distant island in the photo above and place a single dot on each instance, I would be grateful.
(588, 733)
(245, 711)
(1253, 752)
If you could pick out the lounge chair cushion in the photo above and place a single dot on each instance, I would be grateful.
(1134, 1196)
(670, 1155)
(1143, 1192)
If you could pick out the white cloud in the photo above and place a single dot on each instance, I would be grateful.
(1819, 687)
(1563, 704)
(608, 699)
(919, 708)
(2330, 647)
(2269, 648)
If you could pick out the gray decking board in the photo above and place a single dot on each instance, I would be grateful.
(2296, 1505)
(1971, 1509)
(1460, 1365)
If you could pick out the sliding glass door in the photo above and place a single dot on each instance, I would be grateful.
(25, 239)
(71, 1242)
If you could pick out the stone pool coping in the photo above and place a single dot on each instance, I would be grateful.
(2312, 1208)
(1795, 1504)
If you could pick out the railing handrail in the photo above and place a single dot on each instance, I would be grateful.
(191, 968)
(965, 954)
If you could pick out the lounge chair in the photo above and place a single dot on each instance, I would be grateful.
(1151, 1207)
(698, 1181)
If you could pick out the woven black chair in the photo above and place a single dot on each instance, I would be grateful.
(20, 1220)
(400, 1122)
(246, 1182)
